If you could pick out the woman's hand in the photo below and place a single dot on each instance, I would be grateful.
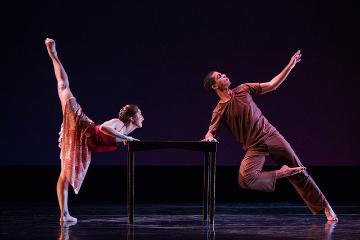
(131, 139)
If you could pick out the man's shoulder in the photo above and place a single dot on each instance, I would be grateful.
(239, 88)
(218, 107)
(251, 87)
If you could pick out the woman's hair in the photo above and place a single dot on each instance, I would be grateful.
(127, 112)
(209, 81)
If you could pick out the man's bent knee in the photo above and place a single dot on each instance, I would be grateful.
(255, 182)
(245, 184)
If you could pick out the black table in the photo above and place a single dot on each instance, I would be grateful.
(209, 149)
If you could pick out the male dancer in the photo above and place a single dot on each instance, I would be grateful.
(237, 110)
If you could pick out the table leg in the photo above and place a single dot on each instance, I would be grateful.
(130, 187)
(130, 232)
(206, 186)
(212, 187)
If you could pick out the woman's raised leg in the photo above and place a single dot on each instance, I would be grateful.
(60, 73)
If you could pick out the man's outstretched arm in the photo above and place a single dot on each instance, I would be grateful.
(278, 79)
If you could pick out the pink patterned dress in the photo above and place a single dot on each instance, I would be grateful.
(79, 136)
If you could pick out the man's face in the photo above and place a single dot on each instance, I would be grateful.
(221, 81)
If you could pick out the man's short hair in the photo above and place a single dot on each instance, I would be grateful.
(209, 80)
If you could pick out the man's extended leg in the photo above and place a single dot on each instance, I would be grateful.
(281, 152)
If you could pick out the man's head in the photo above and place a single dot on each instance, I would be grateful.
(131, 114)
(216, 81)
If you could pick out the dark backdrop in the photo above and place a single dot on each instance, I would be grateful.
(155, 54)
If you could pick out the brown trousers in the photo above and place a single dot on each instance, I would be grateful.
(251, 176)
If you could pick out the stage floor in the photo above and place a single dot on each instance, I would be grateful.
(177, 221)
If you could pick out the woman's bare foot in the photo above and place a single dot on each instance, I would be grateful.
(66, 217)
(67, 224)
(50, 46)
(330, 215)
(286, 171)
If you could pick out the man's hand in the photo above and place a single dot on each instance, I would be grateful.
(295, 59)
(209, 139)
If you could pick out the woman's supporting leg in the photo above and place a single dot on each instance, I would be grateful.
(62, 188)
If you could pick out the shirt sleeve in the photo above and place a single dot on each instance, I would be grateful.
(215, 121)
(252, 88)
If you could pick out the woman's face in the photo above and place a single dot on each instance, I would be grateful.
(138, 119)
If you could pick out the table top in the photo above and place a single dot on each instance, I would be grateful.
(188, 145)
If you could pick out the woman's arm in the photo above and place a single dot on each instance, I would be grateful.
(112, 127)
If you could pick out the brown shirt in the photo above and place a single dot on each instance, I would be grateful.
(242, 117)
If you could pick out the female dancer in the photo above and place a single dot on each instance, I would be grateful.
(79, 135)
